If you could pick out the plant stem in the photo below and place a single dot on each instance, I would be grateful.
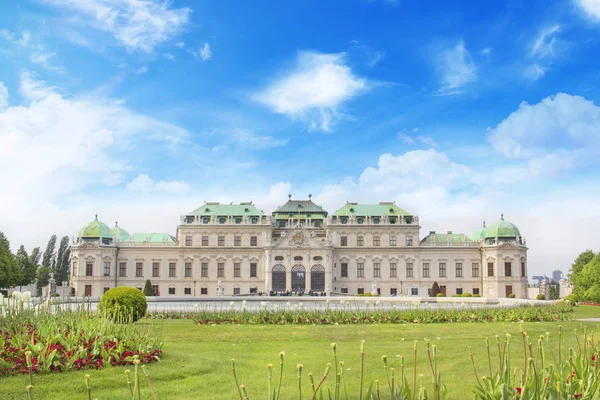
(237, 384)
(362, 366)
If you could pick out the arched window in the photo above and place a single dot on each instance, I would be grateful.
(360, 220)
(344, 220)
(298, 277)
(392, 220)
(375, 220)
(317, 278)
(254, 220)
(238, 220)
(205, 220)
(222, 220)
(278, 278)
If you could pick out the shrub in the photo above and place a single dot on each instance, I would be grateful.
(511, 296)
(148, 288)
(540, 297)
(476, 295)
(571, 298)
(435, 289)
(440, 295)
(456, 295)
(467, 294)
(123, 303)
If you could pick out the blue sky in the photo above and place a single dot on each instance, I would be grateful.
(140, 110)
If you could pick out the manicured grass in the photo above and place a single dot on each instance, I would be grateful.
(587, 312)
(196, 360)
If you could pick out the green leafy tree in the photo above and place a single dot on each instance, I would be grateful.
(61, 268)
(553, 292)
(43, 277)
(581, 282)
(148, 288)
(589, 282)
(35, 257)
(10, 275)
(49, 258)
(27, 267)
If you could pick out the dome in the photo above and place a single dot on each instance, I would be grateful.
(119, 234)
(95, 230)
(479, 234)
(503, 229)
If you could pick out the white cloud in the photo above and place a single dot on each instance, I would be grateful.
(409, 139)
(248, 139)
(562, 121)
(137, 24)
(591, 8)
(545, 45)
(205, 52)
(3, 95)
(314, 89)
(169, 56)
(12, 37)
(534, 72)
(34, 89)
(180, 44)
(143, 183)
(456, 69)
(375, 58)
(41, 58)
(142, 70)
(486, 51)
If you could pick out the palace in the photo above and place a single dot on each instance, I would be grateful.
(237, 249)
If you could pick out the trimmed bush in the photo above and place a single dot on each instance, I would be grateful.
(476, 295)
(511, 296)
(123, 304)
(435, 289)
(440, 294)
(148, 288)
(540, 297)
(467, 294)
(456, 295)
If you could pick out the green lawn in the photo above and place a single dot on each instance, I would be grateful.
(587, 312)
(196, 360)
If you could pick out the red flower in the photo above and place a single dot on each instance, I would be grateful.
(518, 391)
(577, 395)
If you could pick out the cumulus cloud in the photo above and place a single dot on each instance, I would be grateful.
(456, 68)
(591, 8)
(561, 121)
(143, 183)
(314, 89)
(137, 24)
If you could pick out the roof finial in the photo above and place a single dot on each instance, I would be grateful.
(502, 216)
(309, 196)
(484, 223)
(116, 224)
(290, 195)
(96, 216)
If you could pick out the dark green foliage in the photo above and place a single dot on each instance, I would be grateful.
(585, 277)
(123, 303)
(576, 268)
(35, 257)
(148, 288)
(435, 289)
(43, 277)
(27, 267)
(540, 297)
(61, 269)
(10, 274)
(49, 259)
(553, 293)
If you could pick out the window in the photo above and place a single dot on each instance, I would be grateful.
(409, 241)
(360, 240)
(172, 270)
(475, 270)
(458, 290)
(443, 289)
(442, 270)
(458, 270)
(238, 220)
(89, 268)
(376, 240)
(298, 258)
(139, 270)
(507, 269)
(237, 240)
(204, 270)
(221, 241)
(361, 291)
(88, 290)
(237, 270)
(318, 258)
(523, 269)
(414, 291)
(253, 270)
(155, 269)
(279, 258)
(203, 290)
(222, 220)
(376, 220)
(106, 268)
(204, 240)
(187, 290)
(122, 269)
(171, 290)
(254, 220)
(376, 270)
(345, 290)
(393, 291)
(106, 289)
(205, 220)
(490, 269)
(155, 290)
(409, 270)
(425, 270)
(236, 290)
(475, 290)
(360, 270)
(344, 241)
(253, 240)
(344, 270)
(220, 270)
(393, 270)
(392, 240)
(188, 240)
(188, 270)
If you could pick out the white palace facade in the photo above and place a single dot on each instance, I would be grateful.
(300, 247)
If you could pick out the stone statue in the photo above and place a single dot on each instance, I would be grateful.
(374, 287)
(51, 285)
(220, 290)
(327, 290)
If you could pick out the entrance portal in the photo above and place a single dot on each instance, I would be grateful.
(317, 278)
(278, 278)
(298, 278)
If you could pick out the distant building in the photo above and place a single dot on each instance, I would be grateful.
(556, 276)
(537, 280)
(301, 247)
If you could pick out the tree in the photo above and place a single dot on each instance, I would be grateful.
(553, 292)
(578, 278)
(435, 289)
(27, 267)
(43, 277)
(148, 288)
(35, 256)
(61, 268)
(10, 275)
(49, 259)
(578, 265)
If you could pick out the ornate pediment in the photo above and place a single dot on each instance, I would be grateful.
(300, 238)
(508, 246)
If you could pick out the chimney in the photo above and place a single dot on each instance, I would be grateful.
(432, 232)
(449, 232)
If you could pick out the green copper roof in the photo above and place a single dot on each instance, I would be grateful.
(442, 238)
(502, 229)
(374, 210)
(120, 235)
(299, 206)
(218, 209)
(152, 238)
(96, 230)
(479, 234)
